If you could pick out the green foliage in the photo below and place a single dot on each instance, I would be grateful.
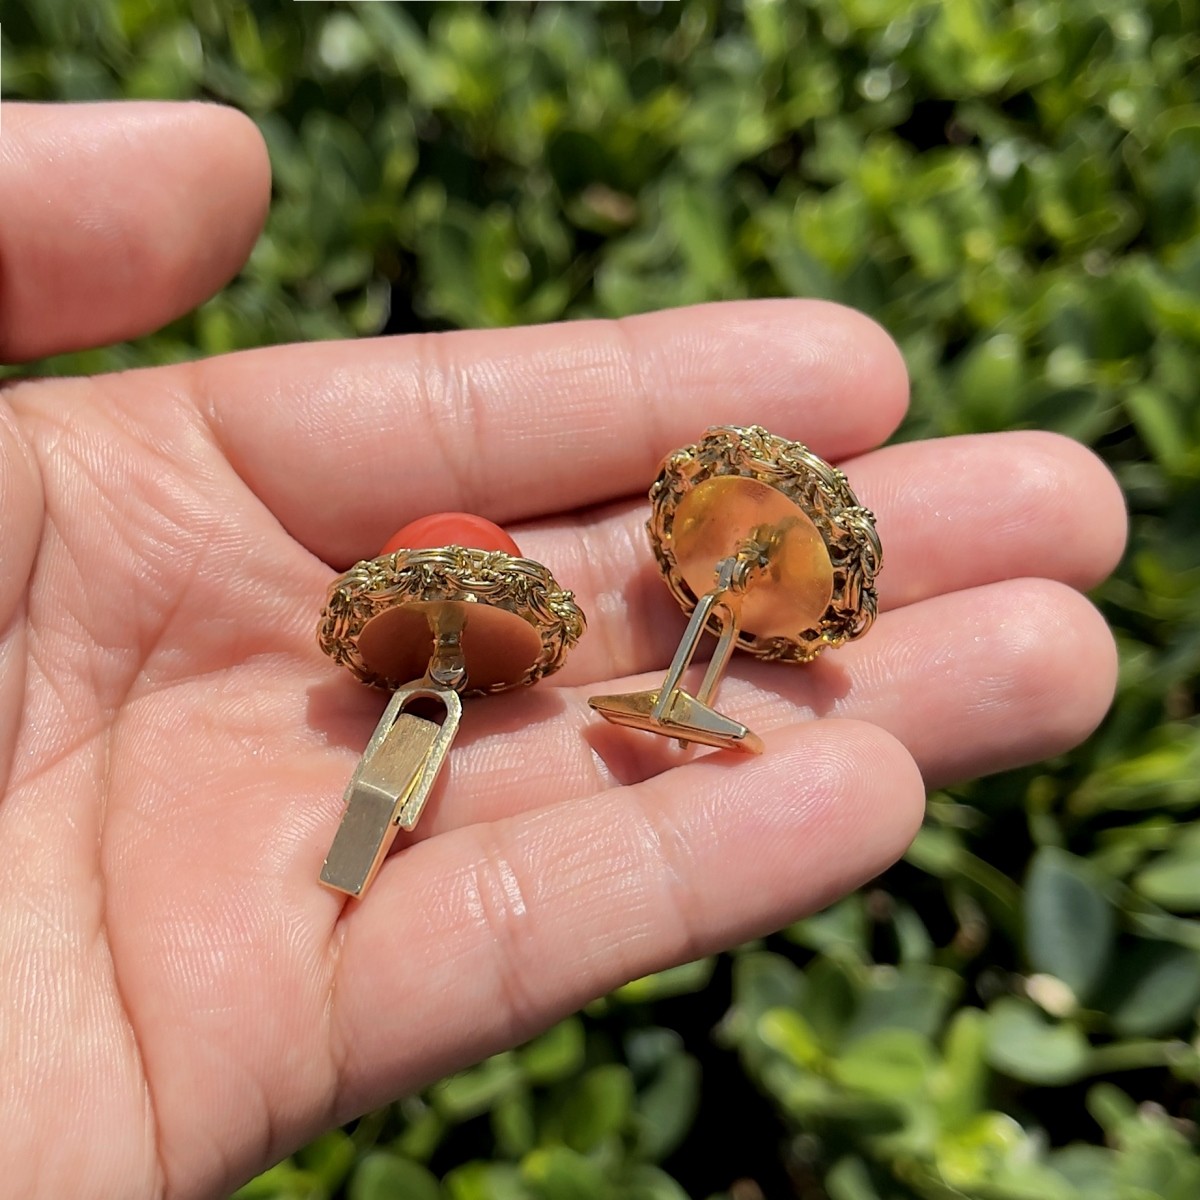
(1012, 190)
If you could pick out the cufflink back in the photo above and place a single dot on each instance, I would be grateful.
(768, 549)
(432, 623)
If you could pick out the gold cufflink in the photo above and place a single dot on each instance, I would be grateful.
(432, 623)
(766, 546)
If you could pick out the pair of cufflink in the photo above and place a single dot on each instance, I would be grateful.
(759, 539)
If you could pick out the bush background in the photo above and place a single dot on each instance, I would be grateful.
(1012, 190)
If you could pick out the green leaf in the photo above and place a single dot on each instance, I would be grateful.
(850, 1179)
(284, 1181)
(1112, 1109)
(667, 1106)
(1157, 1159)
(960, 1086)
(888, 1063)
(1155, 989)
(1159, 421)
(1173, 880)
(1160, 773)
(329, 1158)
(931, 244)
(842, 928)
(915, 996)
(513, 1124)
(992, 1156)
(1069, 922)
(474, 1091)
(599, 1106)
(763, 981)
(785, 1030)
(1089, 1169)
(700, 221)
(554, 1055)
(1024, 1044)
(650, 1183)
(557, 1173)
(486, 1181)
(422, 1132)
(675, 981)
(383, 1176)
(831, 998)
(913, 942)
(991, 382)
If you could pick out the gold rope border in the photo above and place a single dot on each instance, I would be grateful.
(519, 585)
(846, 527)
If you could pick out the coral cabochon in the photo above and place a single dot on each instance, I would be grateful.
(451, 529)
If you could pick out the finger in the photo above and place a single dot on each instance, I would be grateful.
(21, 504)
(963, 511)
(22, 509)
(347, 442)
(491, 933)
(971, 682)
(120, 217)
(954, 513)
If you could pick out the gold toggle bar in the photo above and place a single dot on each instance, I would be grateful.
(671, 709)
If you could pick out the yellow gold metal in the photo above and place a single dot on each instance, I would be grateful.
(434, 625)
(390, 786)
(764, 543)
(379, 618)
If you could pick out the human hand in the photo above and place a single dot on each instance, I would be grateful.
(184, 1003)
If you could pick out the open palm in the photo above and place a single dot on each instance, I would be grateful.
(184, 1004)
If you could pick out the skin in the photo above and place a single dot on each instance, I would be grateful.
(174, 747)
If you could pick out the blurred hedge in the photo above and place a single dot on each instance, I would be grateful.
(1012, 190)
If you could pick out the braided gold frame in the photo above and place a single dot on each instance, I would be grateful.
(847, 528)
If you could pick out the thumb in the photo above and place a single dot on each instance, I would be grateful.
(120, 217)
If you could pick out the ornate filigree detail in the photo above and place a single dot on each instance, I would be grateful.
(518, 585)
(847, 528)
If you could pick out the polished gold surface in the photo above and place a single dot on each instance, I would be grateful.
(766, 546)
(686, 719)
(720, 514)
(432, 624)
(391, 784)
(671, 709)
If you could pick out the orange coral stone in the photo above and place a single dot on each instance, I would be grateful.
(451, 529)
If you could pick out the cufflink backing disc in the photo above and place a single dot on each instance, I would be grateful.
(383, 617)
(767, 547)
